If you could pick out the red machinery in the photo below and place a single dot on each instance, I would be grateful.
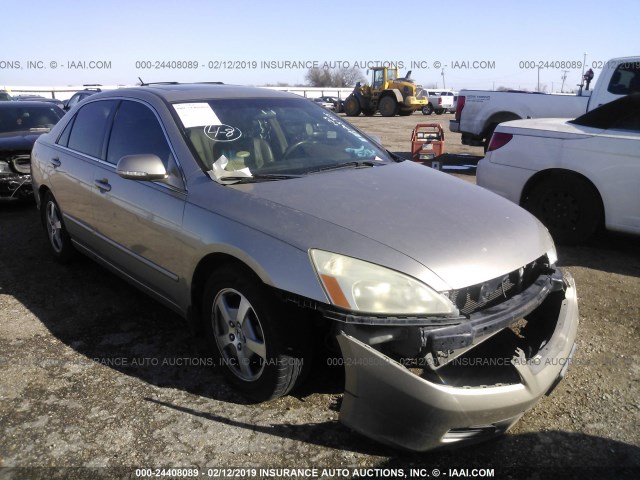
(427, 143)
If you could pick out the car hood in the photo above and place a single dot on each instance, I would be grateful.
(547, 127)
(18, 140)
(460, 232)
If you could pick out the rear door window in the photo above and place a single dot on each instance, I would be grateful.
(90, 127)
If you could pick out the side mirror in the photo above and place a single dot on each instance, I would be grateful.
(146, 167)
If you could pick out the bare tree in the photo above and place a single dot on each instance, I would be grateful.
(348, 77)
(278, 84)
(319, 77)
(337, 77)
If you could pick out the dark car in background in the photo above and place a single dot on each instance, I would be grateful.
(40, 98)
(4, 96)
(338, 104)
(79, 96)
(21, 123)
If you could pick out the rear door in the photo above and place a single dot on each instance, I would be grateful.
(80, 147)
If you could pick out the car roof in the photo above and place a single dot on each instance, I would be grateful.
(181, 92)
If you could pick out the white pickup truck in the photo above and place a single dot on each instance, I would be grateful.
(478, 112)
(439, 101)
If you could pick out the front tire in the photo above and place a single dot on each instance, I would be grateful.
(59, 239)
(427, 109)
(251, 335)
(569, 206)
(352, 106)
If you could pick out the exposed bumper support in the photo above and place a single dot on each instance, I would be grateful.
(387, 402)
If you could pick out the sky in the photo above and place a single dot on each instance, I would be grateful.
(481, 45)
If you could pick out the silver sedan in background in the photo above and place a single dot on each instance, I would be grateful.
(269, 224)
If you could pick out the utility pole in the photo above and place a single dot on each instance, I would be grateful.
(564, 77)
(443, 84)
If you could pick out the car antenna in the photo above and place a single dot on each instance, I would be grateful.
(142, 84)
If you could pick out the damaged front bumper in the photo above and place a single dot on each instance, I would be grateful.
(15, 186)
(476, 381)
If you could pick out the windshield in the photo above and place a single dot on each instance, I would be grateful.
(15, 117)
(270, 136)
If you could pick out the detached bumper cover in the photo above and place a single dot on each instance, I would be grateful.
(387, 402)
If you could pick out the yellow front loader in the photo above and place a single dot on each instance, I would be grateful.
(387, 94)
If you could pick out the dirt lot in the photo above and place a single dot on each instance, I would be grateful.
(95, 374)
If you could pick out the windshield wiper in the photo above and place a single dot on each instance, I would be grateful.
(265, 177)
(353, 164)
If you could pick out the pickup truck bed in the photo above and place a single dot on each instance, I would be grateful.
(439, 101)
(478, 112)
(527, 104)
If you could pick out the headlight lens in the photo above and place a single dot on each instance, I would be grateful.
(362, 286)
(22, 163)
(552, 254)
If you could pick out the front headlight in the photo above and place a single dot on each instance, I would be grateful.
(552, 255)
(362, 286)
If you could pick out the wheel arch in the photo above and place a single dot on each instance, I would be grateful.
(41, 192)
(542, 175)
(303, 283)
(393, 92)
(201, 274)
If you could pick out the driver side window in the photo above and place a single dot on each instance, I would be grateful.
(136, 130)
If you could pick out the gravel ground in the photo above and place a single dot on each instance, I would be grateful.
(95, 374)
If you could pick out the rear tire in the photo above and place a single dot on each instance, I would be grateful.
(251, 336)
(569, 206)
(59, 239)
(440, 111)
(388, 106)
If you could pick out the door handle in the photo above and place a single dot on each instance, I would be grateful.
(103, 185)
(55, 162)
